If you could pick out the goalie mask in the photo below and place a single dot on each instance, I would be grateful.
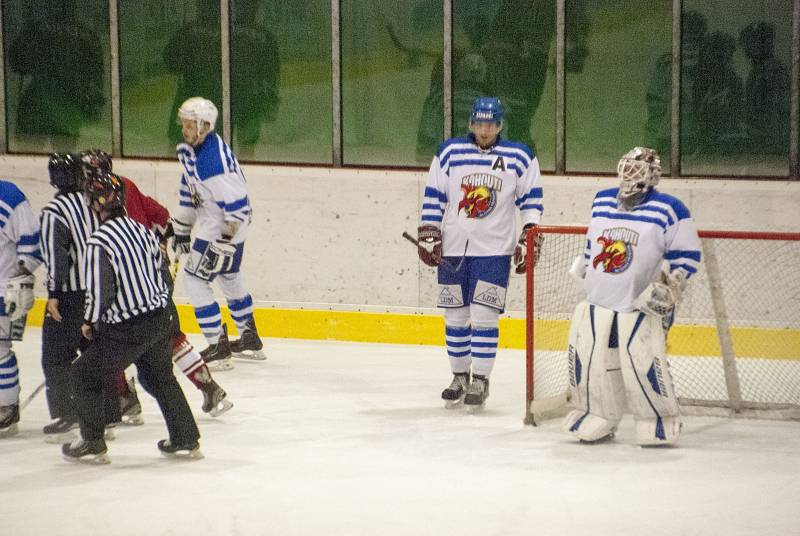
(639, 171)
(65, 172)
(107, 190)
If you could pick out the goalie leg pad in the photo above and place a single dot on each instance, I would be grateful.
(596, 386)
(648, 381)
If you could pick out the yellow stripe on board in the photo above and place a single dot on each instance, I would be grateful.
(429, 329)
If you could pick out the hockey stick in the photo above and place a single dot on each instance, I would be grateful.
(446, 265)
(31, 396)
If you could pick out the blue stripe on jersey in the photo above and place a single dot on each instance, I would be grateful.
(679, 254)
(5, 214)
(689, 269)
(470, 162)
(209, 157)
(535, 193)
(435, 194)
(28, 240)
(630, 217)
(432, 206)
(516, 145)
(533, 206)
(611, 204)
(677, 205)
(430, 217)
(236, 205)
(207, 311)
(183, 203)
(10, 195)
(609, 192)
(458, 344)
(658, 209)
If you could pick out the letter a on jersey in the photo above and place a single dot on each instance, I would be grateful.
(499, 163)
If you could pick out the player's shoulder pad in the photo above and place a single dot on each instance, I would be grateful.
(10, 194)
(448, 143)
(209, 157)
(517, 145)
(681, 210)
(608, 192)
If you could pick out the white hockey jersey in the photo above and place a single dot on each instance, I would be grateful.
(213, 190)
(625, 249)
(19, 233)
(471, 195)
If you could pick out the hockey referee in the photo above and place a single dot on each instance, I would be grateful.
(128, 321)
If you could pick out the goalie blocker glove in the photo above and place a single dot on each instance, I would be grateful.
(429, 244)
(521, 251)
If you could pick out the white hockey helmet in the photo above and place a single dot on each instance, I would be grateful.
(638, 171)
(199, 109)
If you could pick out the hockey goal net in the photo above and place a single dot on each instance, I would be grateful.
(734, 347)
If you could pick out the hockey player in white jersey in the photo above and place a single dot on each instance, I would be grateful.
(641, 248)
(19, 258)
(215, 207)
(467, 229)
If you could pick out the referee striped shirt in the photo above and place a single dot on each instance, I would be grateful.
(123, 272)
(67, 223)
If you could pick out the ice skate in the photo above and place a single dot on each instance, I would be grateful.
(215, 401)
(129, 406)
(60, 431)
(477, 392)
(92, 451)
(9, 417)
(249, 345)
(453, 395)
(218, 356)
(169, 450)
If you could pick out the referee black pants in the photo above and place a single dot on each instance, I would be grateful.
(145, 342)
(60, 344)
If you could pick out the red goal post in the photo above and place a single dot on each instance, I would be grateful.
(734, 347)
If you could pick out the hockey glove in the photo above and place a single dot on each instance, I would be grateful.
(521, 251)
(429, 244)
(18, 295)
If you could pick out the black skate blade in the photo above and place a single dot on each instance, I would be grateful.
(600, 441)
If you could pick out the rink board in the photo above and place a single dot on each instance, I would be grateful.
(756, 343)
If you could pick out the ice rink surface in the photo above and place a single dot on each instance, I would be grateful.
(332, 438)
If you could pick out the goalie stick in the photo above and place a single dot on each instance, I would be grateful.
(446, 265)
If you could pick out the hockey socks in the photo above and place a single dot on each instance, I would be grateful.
(189, 361)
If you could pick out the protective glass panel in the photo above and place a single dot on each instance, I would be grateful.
(391, 65)
(169, 51)
(506, 49)
(621, 97)
(736, 62)
(281, 80)
(58, 88)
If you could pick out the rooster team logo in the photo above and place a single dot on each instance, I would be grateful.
(616, 253)
(479, 194)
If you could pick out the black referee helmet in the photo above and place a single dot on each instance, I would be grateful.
(107, 189)
(65, 172)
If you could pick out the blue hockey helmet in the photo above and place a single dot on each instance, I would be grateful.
(486, 110)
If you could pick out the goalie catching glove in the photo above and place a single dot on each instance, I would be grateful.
(429, 244)
(18, 295)
(661, 297)
(521, 251)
